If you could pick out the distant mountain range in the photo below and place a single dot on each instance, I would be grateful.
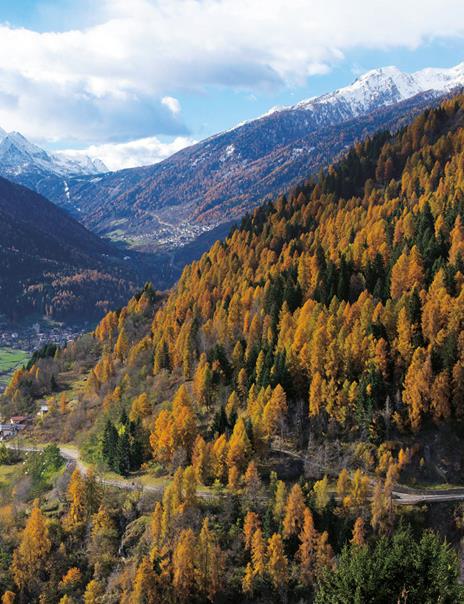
(52, 265)
(169, 204)
(27, 164)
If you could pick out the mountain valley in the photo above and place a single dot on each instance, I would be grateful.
(286, 424)
(167, 205)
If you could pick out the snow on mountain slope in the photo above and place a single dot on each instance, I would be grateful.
(75, 165)
(216, 181)
(373, 90)
(383, 87)
(440, 79)
(20, 156)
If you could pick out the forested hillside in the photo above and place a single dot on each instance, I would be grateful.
(347, 292)
(294, 375)
(51, 265)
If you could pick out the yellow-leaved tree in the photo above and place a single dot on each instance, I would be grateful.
(30, 557)
(294, 512)
(183, 566)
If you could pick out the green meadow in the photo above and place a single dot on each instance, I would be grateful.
(11, 359)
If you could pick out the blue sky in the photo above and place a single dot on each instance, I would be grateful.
(136, 80)
(221, 109)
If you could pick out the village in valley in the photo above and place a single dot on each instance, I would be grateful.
(32, 335)
(19, 340)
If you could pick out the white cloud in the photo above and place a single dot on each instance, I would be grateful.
(112, 81)
(171, 103)
(142, 152)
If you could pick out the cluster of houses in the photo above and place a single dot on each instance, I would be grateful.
(31, 337)
(16, 424)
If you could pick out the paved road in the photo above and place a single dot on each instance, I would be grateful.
(404, 496)
(71, 455)
(413, 498)
(400, 497)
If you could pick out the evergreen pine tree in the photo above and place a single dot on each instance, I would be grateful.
(123, 459)
(110, 444)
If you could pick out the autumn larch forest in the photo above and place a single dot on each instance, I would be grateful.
(275, 418)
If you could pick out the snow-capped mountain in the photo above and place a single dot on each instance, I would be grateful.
(379, 88)
(73, 165)
(18, 155)
(213, 183)
(27, 164)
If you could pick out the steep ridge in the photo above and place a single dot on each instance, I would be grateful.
(18, 156)
(294, 375)
(50, 264)
(216, 181)
(345, 290)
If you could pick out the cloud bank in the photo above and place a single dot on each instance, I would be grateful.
(141, 152)
(118, 80)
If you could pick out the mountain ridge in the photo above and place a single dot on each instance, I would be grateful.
(52, 265)
(165, 206)
(169, 204)
(60, 163)
(183, 201)
(29, 165)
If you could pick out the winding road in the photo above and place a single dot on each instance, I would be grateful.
(405, 495)
(73, 460)
(413, 497)
(401, 495)
(71, 455)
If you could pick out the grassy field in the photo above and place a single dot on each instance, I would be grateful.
(11, 359)
(10, 474)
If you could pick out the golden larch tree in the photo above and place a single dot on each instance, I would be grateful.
(210, 564)
(94, 592)
(321, 493)
(277, 566)
(280, 500)
(183, 567)
(77, 513)
(29, 558)
(258, 553)
(294, 512)
(145, 584)
(239, 449)
(306, 554)
(357, 537)
(274, 411)
(250, 525)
